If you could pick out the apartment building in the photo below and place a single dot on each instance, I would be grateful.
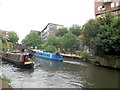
(49, 29)
(103, 6)
(0, 34)
(4, 34)
(36, 31)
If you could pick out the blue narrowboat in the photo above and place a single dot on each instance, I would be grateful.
(52, 56)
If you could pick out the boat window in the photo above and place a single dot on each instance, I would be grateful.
(40, 53)
(25, 58)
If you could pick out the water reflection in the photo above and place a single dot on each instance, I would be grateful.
(49, 64)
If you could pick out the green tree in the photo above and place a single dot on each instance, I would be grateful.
(0, 40)
(103, 34)
(76, 29)
(0, 34)
(61, 32)
(0, 45)
(4, 45)
(108, 39)
(69, 41)
(49, 48)
(52, 41)
(32, 39)
(90, 30)
(13, 37)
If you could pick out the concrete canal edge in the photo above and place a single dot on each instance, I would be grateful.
(108, 61)
(70, 55)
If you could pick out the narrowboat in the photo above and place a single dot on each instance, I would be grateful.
(47, 55)
(21, 60)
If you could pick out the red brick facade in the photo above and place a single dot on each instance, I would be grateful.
(103, 6)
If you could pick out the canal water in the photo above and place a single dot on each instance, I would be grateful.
(70, 73)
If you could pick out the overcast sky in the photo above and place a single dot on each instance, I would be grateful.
(22, 16)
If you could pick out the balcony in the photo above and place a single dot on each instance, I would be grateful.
(107, 1)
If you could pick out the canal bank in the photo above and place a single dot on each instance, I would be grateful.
(4, 84)
(108, 61)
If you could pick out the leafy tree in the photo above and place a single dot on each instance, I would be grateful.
(69, 41)
(32, 39)
(0, 45)
(90, 30)
(61, 32)
(76, 29)
(4, 45)
(52, 41)
(49, 48)
(103, 34)
(13, 37)
(108, 40)
(0, 40)
(0, 34)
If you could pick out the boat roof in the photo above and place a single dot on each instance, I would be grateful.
(13, 53)
(37, 50)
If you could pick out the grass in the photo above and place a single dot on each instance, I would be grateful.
(5, 78)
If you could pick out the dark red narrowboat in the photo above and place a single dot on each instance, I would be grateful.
(21, 60)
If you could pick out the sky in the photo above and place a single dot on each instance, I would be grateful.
(22, 16)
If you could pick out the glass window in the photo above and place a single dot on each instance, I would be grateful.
(99, 8)
(118, 3)
(112, 4)
(119, 11)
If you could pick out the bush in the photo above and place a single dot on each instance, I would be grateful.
(6, 79)
(49, 48)
(103, 35)
(84, 54)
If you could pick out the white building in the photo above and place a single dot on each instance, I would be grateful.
(50, 29)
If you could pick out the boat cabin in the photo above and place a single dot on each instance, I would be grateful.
(18, 57)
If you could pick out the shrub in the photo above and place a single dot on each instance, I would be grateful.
(84, 54)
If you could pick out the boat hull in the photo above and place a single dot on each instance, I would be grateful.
(20, 60)
(49, 56)
(19, 64)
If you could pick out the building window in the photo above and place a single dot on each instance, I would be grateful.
(98, 0)
(112, 4)
(101, 8)
(112, 12)
(119, 11)
(118, 3)
(116, 12)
